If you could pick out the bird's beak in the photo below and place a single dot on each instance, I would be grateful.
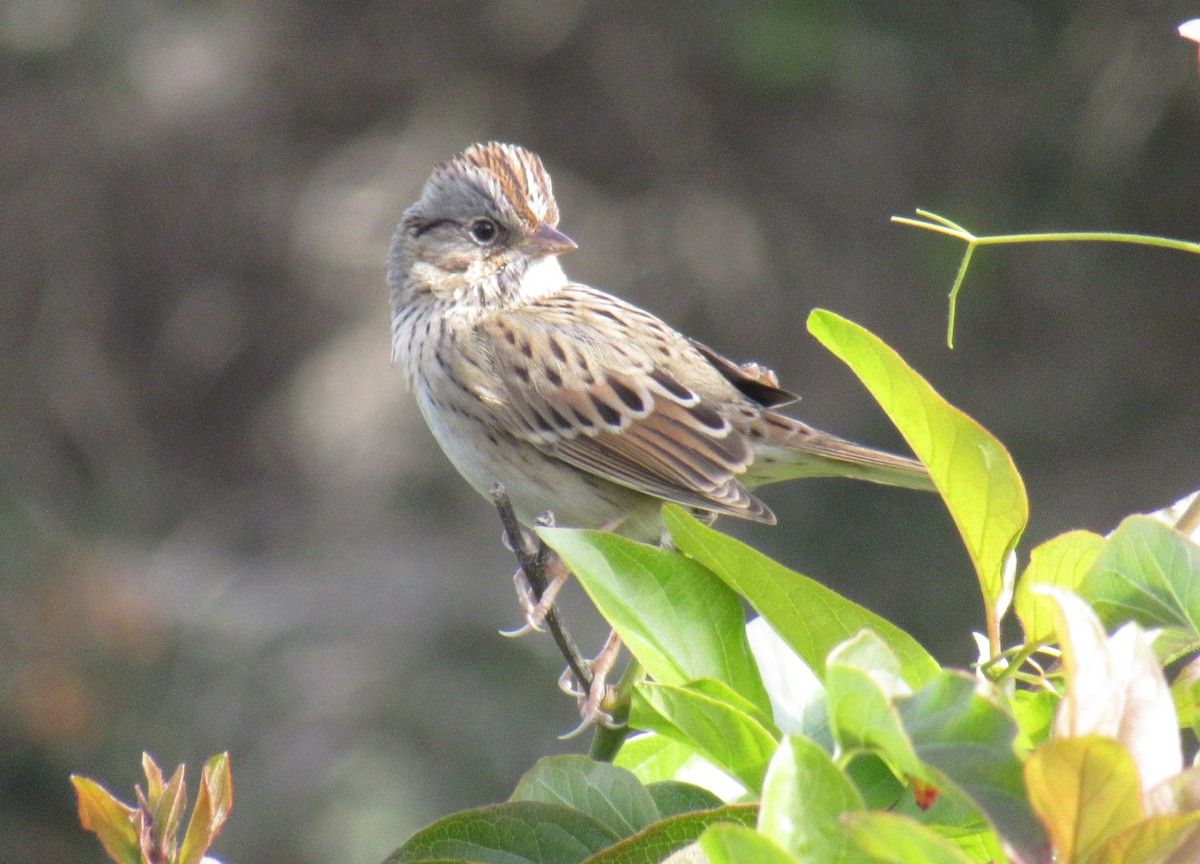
(547, 240)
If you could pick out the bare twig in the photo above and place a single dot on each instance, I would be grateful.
(1189, 520)
(533, 562)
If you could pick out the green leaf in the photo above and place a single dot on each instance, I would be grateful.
(895, 839)
(866, 651)
(1173, 645)
(971, 469)
(661, 839)
(1185, 692)
(1084, 790)
(1034, 711)
(875, 780)
(605, 792)
(172, 801)
(109, 819)
(214, 800)
(969, 739)
(656, 759)
(804, 797)
(980, 845)
(946, 735)
(676, 617)
(733, 844)
(1062, 561)
(154, 779)
(722, 692)
(167, 801)
(517, 832)
(652, 757)
(729, 738)
(674, 798)
(797, 694)
(861, 677)
(811, 618)
(1147, 573)
(953, 815)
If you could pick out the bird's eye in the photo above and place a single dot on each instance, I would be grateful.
(484, 231)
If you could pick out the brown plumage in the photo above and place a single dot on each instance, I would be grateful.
(579, 402)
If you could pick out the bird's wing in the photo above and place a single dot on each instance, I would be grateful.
(611, 390)
(755, 382)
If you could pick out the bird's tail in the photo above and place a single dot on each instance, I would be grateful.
(786, 449)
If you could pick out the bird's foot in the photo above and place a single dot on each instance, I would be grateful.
(597, 702)
(535, 608)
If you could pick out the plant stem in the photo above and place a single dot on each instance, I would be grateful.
(608, 740)
(941, 225)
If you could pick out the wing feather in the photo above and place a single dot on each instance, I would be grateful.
(611, 390)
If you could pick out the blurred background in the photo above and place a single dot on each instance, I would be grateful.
(223, 525)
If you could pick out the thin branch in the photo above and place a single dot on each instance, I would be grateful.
(954, 231)
(1092, 237)
(942, 220)
(533, 562)
(941, 225)
(1189, 520)
(958, 282)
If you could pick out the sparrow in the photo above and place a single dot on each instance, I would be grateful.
(578, 402)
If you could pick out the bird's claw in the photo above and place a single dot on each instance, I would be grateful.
(597, 702)
(589, 718)
(518, 632)
(568, 685)
(591, 704)
(533, 607)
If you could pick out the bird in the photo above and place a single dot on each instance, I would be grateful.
(587, 410)
(580, 403)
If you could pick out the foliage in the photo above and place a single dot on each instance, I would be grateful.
(820, 732)
(148, 833)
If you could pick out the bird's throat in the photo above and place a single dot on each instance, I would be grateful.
(543, 276)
